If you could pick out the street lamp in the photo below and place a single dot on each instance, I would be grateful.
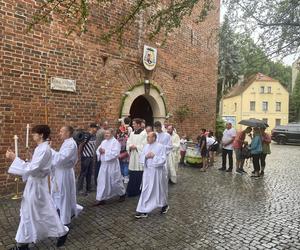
(147, 86)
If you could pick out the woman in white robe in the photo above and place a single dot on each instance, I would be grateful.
(110, 181)
(39, 218)
(63, 188)
(153, 190)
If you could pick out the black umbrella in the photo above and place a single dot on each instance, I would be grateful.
(256, 123)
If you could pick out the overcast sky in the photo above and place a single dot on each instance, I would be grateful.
(288, 60)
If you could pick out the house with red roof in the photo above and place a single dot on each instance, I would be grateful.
(260, 97)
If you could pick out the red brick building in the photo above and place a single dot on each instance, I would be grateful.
(109, 80)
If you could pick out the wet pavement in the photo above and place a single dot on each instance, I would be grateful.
(208, 210)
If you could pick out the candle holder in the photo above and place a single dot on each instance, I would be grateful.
(17, 195)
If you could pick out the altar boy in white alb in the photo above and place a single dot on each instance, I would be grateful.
(110, 181)
(39, 219)
(153, 193)
(63, 188)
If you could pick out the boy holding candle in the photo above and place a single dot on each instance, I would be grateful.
(39, 219)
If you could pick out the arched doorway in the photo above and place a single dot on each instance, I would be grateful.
(135, 99)
(141, 108)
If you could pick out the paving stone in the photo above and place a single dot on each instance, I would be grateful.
(211, 210)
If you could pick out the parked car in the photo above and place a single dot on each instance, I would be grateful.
(286, 133)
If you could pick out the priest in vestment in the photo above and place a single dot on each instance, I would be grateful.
(39, 218)
(63, 188)
(110, 181)
(153, 194)
(135, 145)
(173, 158)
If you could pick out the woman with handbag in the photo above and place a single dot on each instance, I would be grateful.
(266, 141)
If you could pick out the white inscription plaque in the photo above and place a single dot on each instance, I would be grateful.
(63, 84)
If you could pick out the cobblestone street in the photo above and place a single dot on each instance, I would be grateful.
(210, 210)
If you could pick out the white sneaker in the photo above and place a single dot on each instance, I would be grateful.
(126, 179)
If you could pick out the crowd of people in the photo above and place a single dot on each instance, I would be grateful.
(257, 149)
(128, 162)
(131, 161)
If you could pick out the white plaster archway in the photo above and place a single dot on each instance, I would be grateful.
(154, 98)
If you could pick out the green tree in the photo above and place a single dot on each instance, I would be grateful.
(160, 16)
(276, 23)
(295, 101)
(256, 60)
(229, 66)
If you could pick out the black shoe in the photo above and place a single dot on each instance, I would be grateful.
(229, 170)
(141, 215)
(20, 247)
(255, 175)
(99, 203)
(164, 209)
(253, 172)
(262, 173)
(239, 171)
(222, 169)
(122, 198)
(82, 193)
(243, 171)
(61, 240)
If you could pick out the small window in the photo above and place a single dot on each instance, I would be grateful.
(265, 106)
(277, 122)
(265, 120)
(252, 106)
(269, 90)
(278, 106)
(262, 89)
(235, 107)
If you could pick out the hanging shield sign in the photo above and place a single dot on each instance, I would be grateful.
(149, 57)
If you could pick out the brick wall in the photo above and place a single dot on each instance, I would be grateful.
(186, 72)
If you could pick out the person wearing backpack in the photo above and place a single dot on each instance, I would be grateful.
(238, 146)
(256, 151)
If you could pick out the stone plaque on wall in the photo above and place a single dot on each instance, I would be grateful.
(63, 84)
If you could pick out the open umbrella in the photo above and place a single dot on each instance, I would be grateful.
(256, 123)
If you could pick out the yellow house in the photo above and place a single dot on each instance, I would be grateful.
(260, 97)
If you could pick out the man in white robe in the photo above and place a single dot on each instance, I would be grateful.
(164, 139)
(110, 182)
(63, 188)
(39, 218)
(135, 143)
(153, 194)
(173, 158)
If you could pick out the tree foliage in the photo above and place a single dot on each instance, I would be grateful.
(161, 16)
(256, 60)
(295, 102)
(275, 22)
(230, 60)
(239, 56)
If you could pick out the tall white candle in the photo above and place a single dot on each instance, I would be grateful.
(27, 136)
(16, 145)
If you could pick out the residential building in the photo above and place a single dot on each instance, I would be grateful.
(259, 97)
